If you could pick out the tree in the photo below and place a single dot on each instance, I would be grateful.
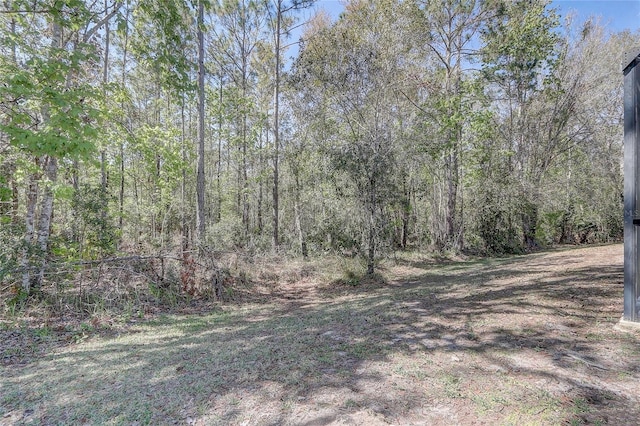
(354, 69)
(163, 45)
(200, 180)
(449, 30)
(281, 9)
(50, 112)
(519, 57)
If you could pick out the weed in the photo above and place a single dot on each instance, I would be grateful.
(594, 337)
(85, 327)
(624, 375)
(17, 303)
(487, 403)
(350, 403)
(326, 357)
(363, 350)
(451, 384)
(43, 332)
(413, 372)
(352, 271)
(581, 406)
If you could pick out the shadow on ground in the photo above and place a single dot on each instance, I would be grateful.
(510, 341)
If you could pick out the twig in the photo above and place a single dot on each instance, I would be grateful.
(582, 359)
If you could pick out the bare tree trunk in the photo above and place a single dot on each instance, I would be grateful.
(298, 218)
(372, 243)
(452, 155)
(124, 75)
(138, 214)
(239, 185)
(12, 29)
(183, 186)
(103, 155)
(15, 201)
(372, 226)
(276, 126)
(46, 214)
(458, 152)
(76, 233)
(406, 215)
(121, 192)
(529, 224)
(200, 179)
(260, 184)
(27, 247)
(245, 177)
(452, 198)
(46, 207)
(15, 198)
(219, 169)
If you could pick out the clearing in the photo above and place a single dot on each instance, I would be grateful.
(520, 340)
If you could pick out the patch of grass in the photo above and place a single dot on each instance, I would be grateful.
(350, 271)
(364, 350)
(488, 402)
(516, 402)
(580, 406)
(414, 372)
(43, 332)
(451, 385)
(595, 337)
(351, 278)
(350, 403)
(275, 361)
(174, 358)
(631, 347)
(624, 375)
(10, 398)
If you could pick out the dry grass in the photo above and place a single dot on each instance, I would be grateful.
(523, 340)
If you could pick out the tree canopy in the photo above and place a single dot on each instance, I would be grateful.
(489, 127)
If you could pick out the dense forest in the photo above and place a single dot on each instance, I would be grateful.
(168, 133)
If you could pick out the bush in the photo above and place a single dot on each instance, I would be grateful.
(227, 234)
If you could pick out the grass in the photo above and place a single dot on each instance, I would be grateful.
(437, 343)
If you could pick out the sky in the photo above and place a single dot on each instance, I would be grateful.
(618, 15)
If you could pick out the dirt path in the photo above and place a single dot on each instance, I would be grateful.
(525, 340)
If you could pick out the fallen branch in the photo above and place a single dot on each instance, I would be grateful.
(580, 358)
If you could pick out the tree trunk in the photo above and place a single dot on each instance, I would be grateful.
(46, 207)
(530, 224)
(452, 198)
(12, 30)
(15, 201)
(219, 168)
(183, 186)
(276, 126)
(298, 218)
(372, 227)
(260, 182)
(372, 241)
(103, 155)
(406, 216)
(124, 74)
(46, 214)
(200, 180)
(244, 197)
(27, 245)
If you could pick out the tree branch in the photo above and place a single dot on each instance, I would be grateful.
(102, 22)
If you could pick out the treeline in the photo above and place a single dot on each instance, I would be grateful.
(186, 127)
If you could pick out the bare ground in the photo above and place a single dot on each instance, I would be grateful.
(523, 340)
